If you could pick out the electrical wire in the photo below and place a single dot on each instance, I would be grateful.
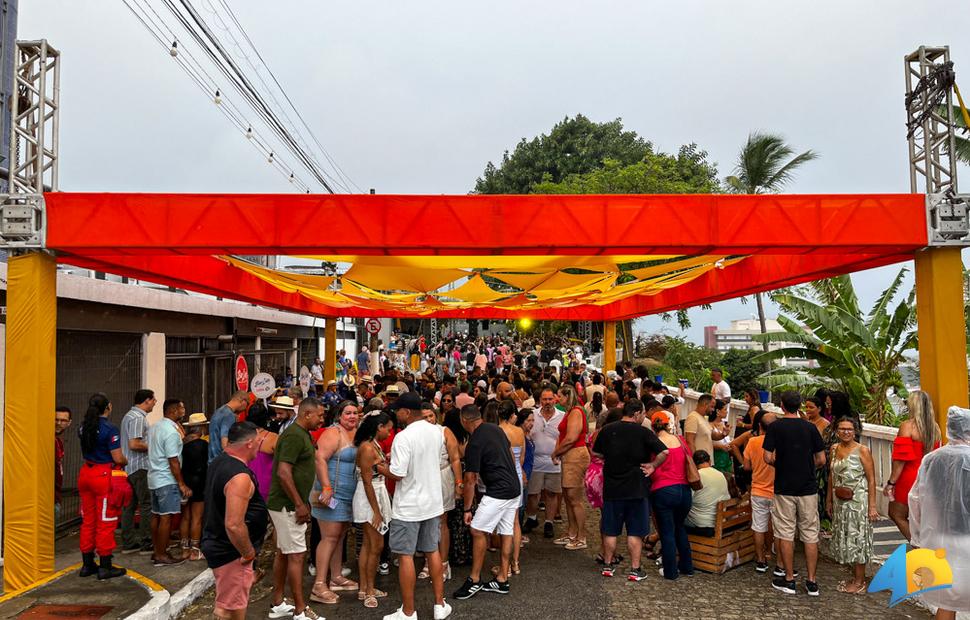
(228, 110)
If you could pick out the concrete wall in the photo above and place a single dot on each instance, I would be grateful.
(153, 370)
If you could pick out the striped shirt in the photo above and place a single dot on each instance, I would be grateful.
(134, 426)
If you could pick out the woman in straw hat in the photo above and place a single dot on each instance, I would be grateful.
(195, 465)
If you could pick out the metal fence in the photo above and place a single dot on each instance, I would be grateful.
(89, 362)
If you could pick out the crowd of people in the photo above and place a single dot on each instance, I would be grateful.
(431, 469)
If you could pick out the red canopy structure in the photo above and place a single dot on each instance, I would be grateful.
(772, 241)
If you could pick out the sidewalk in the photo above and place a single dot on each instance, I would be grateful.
(146, 592)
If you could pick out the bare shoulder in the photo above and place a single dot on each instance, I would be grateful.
(906, 429)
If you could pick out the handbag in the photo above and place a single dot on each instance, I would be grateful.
(693, 476)
(843, 493)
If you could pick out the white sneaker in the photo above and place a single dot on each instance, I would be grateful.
(346, 572)
(310, 568)
(308, 614)
(442, 611)
(399, 615)
(283, 610)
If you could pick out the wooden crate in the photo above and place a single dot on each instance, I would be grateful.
(733, 541)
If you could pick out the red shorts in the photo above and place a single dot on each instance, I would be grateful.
(233, 582)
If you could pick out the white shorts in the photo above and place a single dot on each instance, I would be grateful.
(496, 515)
(290, 535)
(760, 514)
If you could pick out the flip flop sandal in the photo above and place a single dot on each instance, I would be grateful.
(327, 597)
(347, 585)
(361, 595)
(370, 601)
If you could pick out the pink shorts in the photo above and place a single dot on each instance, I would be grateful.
(233, 582)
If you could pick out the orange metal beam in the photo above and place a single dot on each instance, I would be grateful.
(153, 224)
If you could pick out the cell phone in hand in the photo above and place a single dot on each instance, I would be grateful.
(382, 529)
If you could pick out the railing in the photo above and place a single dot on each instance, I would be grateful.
(879, 440)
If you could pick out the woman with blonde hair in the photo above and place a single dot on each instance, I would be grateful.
(919, 434)
(574, 455)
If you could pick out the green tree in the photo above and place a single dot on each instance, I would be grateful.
(765, 165)
(857, 353)
(742, 370)
(689, 172)
(574, 146)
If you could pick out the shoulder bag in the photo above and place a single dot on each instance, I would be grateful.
(693, 476)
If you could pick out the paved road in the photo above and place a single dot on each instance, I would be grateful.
(560, 584)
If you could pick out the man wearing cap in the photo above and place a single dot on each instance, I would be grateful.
(222, 419)
(417, 505)
(330, 396)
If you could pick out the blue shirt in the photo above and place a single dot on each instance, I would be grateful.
(164, 442)
(222, 419)
(108, 439)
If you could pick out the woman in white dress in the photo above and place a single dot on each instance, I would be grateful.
(371, 503)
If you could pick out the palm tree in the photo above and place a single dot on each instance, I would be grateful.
(765, 165)
(856, 353)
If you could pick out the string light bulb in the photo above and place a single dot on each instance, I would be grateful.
(175, 49)
(249, 133)
(218, 98)
(270, 159)
(292, 178)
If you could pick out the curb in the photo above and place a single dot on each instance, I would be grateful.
(163, 604)
(190, 592)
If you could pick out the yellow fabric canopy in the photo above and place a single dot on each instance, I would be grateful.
(419, 284)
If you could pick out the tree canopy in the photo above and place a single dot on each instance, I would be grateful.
(574, 146)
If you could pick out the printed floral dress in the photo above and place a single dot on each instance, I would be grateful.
(851, 528)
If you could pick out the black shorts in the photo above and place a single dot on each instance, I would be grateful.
(634, 513)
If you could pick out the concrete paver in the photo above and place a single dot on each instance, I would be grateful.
(560, 584)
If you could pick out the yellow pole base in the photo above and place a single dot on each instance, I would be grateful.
(942, 329)
(28, 455)
(609, 346)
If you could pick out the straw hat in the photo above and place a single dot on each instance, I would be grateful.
(350, 380)
(331, 382)
(283, 402)
(196, 419)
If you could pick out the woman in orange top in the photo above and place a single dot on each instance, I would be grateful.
(918, 435)
(572, 451)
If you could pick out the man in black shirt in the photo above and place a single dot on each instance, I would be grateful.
(488, 456)
(235, 522)
(630, 453)
(795, 449)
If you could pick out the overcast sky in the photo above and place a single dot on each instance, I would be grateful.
(415, 97)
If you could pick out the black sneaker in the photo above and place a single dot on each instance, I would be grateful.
(780, 572)
(607, 570)
(636, 574)
(467, 590)
(547, 530)
(530, 524)
(762, 567)
(812, 587)
(498, 587)
(783, 585)
(147, 548)
(384, 568)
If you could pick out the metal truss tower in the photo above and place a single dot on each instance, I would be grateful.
(930, 121)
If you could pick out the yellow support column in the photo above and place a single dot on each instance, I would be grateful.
(28, 455)
(942, 329)
(330, 350)
(609, 346)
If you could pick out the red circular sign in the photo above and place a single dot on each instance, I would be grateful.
(372, 326)
(242, 373)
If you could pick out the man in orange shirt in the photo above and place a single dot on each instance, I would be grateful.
(762, 488)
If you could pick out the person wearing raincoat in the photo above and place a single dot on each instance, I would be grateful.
(939, 512)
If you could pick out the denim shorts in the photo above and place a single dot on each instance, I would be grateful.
(408, 537)
(167, 500)
(633, 513)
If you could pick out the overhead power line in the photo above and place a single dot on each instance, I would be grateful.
(263, 102)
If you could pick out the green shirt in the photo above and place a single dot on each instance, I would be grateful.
(295, 446)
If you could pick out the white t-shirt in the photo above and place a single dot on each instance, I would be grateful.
(721, 390)
(317, 372)
(415, 456)
(545, 436)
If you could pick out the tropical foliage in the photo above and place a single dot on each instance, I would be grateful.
(855, 352)
(675, 358)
